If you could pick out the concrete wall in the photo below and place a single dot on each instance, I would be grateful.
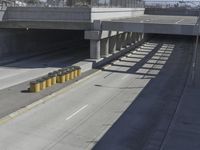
(21, 42)
(172, 11)
(113, 13)
(46, 14)
(68, 14)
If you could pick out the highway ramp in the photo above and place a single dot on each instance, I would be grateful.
(119, 106)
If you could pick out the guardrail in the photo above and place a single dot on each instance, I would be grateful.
(75, 3)
(171, 4)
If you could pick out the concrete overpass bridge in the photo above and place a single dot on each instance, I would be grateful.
(110, 30)
(143, 92)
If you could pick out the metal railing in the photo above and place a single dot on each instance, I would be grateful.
(171, 4)
(75, 3)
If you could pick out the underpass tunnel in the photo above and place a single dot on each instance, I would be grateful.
(34, 43)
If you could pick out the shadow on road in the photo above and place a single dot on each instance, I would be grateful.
(52, 58)
(144, 124)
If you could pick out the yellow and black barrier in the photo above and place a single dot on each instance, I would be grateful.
(78, 70)
(42, 84)
(61, 76)
(52, 77)
(35, 86)
(67, 75)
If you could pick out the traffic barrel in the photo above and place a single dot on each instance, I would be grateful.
(55, 73)
(67, 75)
(75, 72)
(42, 84)
(61, 77)
(52, 78)
(71, 70)
(78, 68)
(35, 86)
(48, 81)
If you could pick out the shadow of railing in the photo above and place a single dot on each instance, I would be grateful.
(138, 64)
(137, 122)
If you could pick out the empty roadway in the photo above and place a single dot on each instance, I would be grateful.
(147, 80)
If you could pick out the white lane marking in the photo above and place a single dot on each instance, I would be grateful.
(179, 21)
(72, 115)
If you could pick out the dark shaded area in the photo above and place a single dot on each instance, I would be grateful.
(22, 41)
(21, 44)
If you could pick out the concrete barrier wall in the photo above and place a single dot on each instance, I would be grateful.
(22, 42)
(112, 13)
(46, 14)
(68, 14)
(172, 11)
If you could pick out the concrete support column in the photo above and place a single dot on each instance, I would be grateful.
(129, 40)
(104, 45)
(133, 37)
(95, 49)
(112, 44)
(137, 37)
(140, 36)
(124, 37)
(119, 42)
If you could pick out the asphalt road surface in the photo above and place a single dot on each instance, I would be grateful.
(119, 106)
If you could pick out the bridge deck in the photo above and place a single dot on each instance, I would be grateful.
(154, 24)
(160, 19)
